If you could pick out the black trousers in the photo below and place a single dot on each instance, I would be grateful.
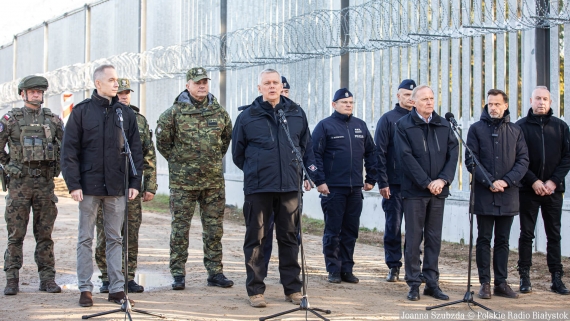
(342, 209)
(551, 208)
(423, 215)
(502, 226)
(257, 209)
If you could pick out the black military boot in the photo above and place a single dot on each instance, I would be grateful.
(12, 286)
(525, 286)
(134, 287)
(104, 287)
(557, 284)
(179, 283)
(393, 275)
(220, 280)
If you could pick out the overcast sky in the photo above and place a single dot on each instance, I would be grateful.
(19, 15)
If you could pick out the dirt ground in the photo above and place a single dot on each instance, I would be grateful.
(372, 299)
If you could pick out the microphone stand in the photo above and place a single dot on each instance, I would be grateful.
(125, 303)
(304, 306)
(468, 297)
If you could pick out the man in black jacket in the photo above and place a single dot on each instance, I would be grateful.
(341, 144)
(261, 149)
(93, 165)
(500, 147)
(548, 139)
(389, 177)
(428, 151)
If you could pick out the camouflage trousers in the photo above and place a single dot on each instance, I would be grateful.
(35, 193)
(182, 204)
(134, 224)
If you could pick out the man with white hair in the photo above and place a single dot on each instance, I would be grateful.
(428, 151)
(261, 149)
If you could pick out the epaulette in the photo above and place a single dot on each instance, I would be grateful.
(47, 112)
(85, 101)
(17, 111)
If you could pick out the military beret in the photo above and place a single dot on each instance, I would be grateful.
(285, 83)
(124, 84)
(196, 74)
(408, 84)
(342, 93)
(32, 81)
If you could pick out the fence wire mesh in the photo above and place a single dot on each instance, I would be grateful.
(372, 26)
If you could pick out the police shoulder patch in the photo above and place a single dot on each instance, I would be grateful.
(1, 127)
(312, 167)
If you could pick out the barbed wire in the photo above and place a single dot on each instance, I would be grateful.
(372, 26)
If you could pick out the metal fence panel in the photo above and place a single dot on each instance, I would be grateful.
(30, 53)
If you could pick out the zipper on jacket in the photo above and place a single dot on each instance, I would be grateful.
(436, 140)
(425, 147)
(350, 144)
(543, 147)
(332, 161)
(270, 130)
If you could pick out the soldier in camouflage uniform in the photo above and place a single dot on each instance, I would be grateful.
(134, 206)
(193, 135)
(33, 135)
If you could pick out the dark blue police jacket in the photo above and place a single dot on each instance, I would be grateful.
(389, 165)
(341, 143)
(261, 149)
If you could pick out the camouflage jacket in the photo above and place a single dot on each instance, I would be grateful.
(149, 154)
(194, 140)
(11, 126)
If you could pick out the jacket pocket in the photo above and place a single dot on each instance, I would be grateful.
(85, 167)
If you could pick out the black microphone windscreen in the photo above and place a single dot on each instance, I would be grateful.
(448, 116)
(119, 111)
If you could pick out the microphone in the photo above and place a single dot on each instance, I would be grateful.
(450, 118)
(279, 110)
(119, 112)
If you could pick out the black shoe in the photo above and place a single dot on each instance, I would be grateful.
(557, 285)
(220, 280)
(414, 294)
(393, 275)
(105, 287)
(524, 285)
(334, 277)
(423, 278)
(436, 293)
(134, 287)
(348, 277)
(179, 283)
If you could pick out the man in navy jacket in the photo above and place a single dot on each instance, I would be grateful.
(261, 149)
(341, 143)
(428, 150)
(389, 178)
